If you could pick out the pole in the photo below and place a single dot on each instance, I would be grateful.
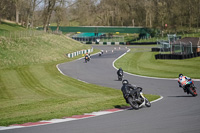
(181, 48)
(191, 47)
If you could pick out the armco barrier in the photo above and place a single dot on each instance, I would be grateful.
(155, 49)
(141, 43)
(71, 55)
(176, 56)
(160, 49)
(107, 43)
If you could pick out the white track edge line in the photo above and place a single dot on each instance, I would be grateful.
(141, 75)
(53, 121)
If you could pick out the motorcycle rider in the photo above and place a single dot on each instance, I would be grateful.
(182, 81)
(87, 56)
(126, 89)
(119, 72)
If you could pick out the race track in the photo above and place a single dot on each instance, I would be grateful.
(177, 112)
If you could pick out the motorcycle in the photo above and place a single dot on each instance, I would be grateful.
(101, 51)
(87, 59)
(137, 100)
(188, 86)
(120, 76)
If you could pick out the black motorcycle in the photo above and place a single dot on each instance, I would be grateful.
(87, 59)
(120, 76)
(137, 99)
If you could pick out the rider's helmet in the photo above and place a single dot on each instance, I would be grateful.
(180, 75)
(124, 82)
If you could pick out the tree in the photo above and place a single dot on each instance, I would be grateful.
(18, 6)
(5, 9)
(59, 13)
(49, 7)
(34, 4)
(147, 13)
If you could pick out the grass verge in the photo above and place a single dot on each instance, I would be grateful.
(39, 92)
(141, 61)
(32, 89)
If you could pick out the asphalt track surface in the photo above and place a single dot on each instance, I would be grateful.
(177, 112)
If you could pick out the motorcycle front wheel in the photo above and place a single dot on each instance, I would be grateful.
(192, 91)
(147, 103)
(133, 104)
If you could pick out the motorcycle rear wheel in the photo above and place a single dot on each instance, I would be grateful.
(192, 91)
(133, 104)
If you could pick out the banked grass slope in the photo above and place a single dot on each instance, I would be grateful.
(32, 89)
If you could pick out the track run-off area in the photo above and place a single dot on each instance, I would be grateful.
(177, 112)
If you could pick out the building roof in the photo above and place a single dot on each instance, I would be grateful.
(187, 40)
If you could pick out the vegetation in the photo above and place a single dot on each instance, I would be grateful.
(171, 16)
(141, 61)
(37, 49)
(5, 26)
(32, 89)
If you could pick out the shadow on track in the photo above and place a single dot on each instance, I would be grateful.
(181, 96)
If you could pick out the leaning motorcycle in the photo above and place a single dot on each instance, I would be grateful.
(137, 100)
(189, 87)
(87, 59)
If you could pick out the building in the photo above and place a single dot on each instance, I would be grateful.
(187, 45)
(185, 48)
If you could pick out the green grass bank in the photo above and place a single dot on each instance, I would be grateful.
(141, 61)
(32, 89)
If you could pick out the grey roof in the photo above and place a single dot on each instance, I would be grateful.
(185, 41)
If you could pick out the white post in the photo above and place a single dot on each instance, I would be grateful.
(191, 47)
(170, 46)
(181, 48)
